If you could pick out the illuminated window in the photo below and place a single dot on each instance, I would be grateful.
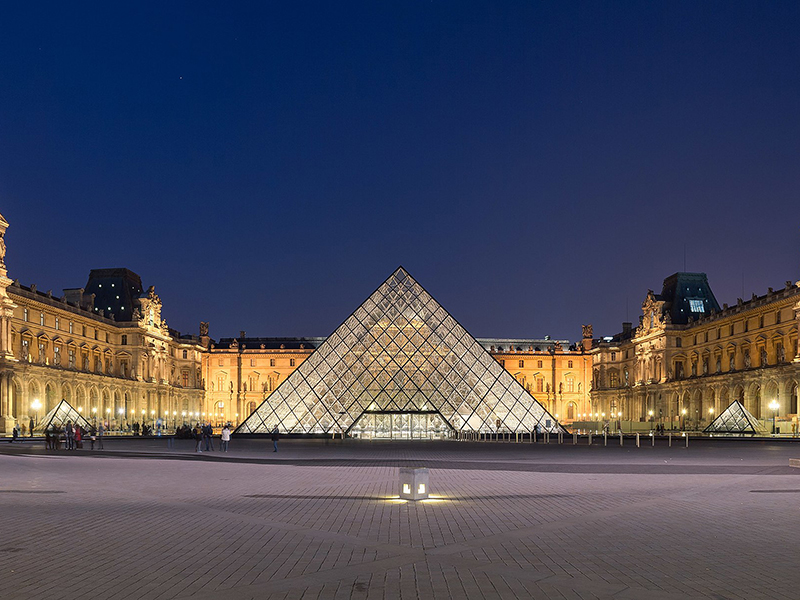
(696, 306)
(24, 314)
(41, 319)
(70, 327)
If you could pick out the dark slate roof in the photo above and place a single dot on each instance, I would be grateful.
(114, 291)
(688, 296)
(272, 343)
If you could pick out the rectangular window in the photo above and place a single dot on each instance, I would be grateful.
(58, 323)
(503, 363)
(185, 378)
(731, 332)
(71, 358)
(57, 356)
(252, 362)
(70, 327)
(778, 318)
(521, 364)
(271, 362)
(569, 364)
(25, 314)
(678, 343)
(696, 306)
(613, 356)
(25, 350)
(41, 319)
(570, 384)
(220, 362)
(84, 330)
(291, 362)
(539, 384)
(539, 366)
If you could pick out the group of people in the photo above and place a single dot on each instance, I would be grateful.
(204, 435)
(73, 436)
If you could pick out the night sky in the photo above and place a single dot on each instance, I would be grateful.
(535, 166)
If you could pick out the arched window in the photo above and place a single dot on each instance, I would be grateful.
(571, 411)
(185, 354)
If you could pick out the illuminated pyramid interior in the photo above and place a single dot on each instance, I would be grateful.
(735, 419)
(399, 367)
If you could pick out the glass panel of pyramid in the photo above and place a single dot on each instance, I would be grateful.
(735, 419)
(59, 416)
(399, 352)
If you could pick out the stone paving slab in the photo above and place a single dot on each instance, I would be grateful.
(320, 522)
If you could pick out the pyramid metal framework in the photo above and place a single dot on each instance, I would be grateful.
(59, 416)
(399, 353)
(735, 419)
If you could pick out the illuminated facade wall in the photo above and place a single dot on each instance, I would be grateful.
(54, 348)
(747, 351)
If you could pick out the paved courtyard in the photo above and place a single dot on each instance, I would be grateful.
(316, 520)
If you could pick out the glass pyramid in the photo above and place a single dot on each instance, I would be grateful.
(59, 416)
(400, 362)
(735, 419)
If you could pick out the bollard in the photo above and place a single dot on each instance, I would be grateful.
(637, 440)
(670, 440)
(605, 438)
(620, 438)
(575, 439)
(590, 438)
(687, 441)
(560, 437)
(652, 440)
(547, 436)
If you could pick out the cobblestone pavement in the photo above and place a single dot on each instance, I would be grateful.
(316, 520)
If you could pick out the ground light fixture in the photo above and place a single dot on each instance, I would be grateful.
(413, 483)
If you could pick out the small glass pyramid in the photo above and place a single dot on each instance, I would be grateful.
(400, 366)
(59, 416)
(735, 419)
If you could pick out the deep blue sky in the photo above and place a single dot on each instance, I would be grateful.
(535, 165)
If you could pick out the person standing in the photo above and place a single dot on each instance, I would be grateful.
(208, 432)
(69, 436)
(31, 424)
(101, 431)
(198, 438)
(275, 437)
(225, 438)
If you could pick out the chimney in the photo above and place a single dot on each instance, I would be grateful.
(626, 328)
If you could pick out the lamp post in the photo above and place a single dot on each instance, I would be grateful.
(221, 405)
(36, 405)
(650, 418)
(774, 406)
(683, 418)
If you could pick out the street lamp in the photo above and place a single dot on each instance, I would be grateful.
(774, 406)
(36, 405)
(683, 418)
